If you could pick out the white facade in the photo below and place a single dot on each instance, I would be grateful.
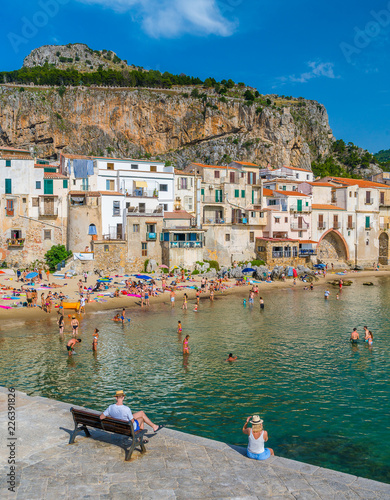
(185, 190)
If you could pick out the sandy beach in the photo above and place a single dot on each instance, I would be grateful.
(70, 288)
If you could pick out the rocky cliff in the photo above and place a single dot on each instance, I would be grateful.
(168, 124)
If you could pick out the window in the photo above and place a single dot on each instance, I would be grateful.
(300, 234)
(188, 203)
(251, 178)
(321, 221)
(8, 186)
(24, 200)
(350, 194)
(368, 224)
(286, 220)
(9, 209)
(165, 207)
(368, 197)
(74, 183)
(110, 185)
(382, 198)
(297, 176)
(110, 166)
(242, 175)
(144, 248)
(216, 174)
(236, 193)
(336, 222)
(7, 163)
(295, 251)
(47, 234)
(134, 167)
(350, 225)
(106, 248)
(151, 228)
(38, 184)
(260, 249)
(135, 228)
(272, 202)
(48, 186)
(307, 177)
(153, 168)
(202, 191)
(141, 208)
(253, 215)
(183, 182)
(164, 187)
(227, 237)
(355, 194)
(65, 183)
(251, 237)
(277, 220)
(284, 188)
(35, 202)
(232, 177)
(242, 193)
(294, 188)
(116, 206)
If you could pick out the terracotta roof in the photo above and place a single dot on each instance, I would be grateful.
(245, 163)
(76, 157)
(296, 168)
(53, 175)
(358, 182)
(322, 184)
(177, 214)
(308, 241)
(128, 159)
(180, 172)
(95, 193)
(267, 192)
(6, 148)
(277, 239)
(16, 157)
(213, 166)
(45, 165)
(290, 193)
(282, 180)
(316, 206)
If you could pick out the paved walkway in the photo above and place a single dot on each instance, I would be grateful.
(176, 465)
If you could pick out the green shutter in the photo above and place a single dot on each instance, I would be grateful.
(299, 205)
(242, 193)
(202, 192)
(8, 186)
(253, 197)
(218, 195)
(236, 193)
(48, 186)
(7, 163)
(65, 183)
(367, 222)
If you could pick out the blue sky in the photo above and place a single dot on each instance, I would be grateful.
(334, 52)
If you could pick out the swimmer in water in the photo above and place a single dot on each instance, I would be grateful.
(326, 294)
(196, 308)
(370, 338)
(354, 336)
(95, 339)
(244, 302)
(261, 303)
(337, 297)
(186, 349)
(61, 324)
(185, 302)
(179, 327)
(123, 317)
(116, 317)
(231, 357)
(366, 332)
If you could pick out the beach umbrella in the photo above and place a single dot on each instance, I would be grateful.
(143, 277)
(32, 275)
(164, 266)
(175, 267)
(248, 270)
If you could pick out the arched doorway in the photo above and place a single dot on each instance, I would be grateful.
(332, 247)
(383, 249)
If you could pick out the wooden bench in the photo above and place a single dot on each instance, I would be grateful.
(84, 419)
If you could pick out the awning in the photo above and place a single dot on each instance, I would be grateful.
(78, 199)
(141, 184)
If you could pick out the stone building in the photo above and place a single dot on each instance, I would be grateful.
(279, 251)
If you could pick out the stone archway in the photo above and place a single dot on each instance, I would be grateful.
(332, 247)
(384, 249)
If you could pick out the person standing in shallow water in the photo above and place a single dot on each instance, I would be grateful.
(257, 436)
(261, 300)
(186, 349)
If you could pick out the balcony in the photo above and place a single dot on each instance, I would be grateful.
(114, 237)
(49, 212)
(321, 226)
(369, 202)
(304, 210)
(142, 193)
(151, 236)
(299, 227)
(351, 225)
(212, 199)
(213, 220)
(336, 225)
(186, 244)
(368, 228)
(240, 220)
(384, 226)
(15, 242)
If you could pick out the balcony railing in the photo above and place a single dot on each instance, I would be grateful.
(114, 237)
(186, 244)
(336, 225)
(240, 220)
(295, 208)
(213, 199)
(369, 202)
(321, 226)
(151, 236)
(299, 227)
(351, 225)
(142, 193)
(368, 228)
(384, 226)
(49, 212)
(15, 242)
(213, 220)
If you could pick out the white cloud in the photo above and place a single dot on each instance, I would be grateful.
(172, 18)
(317, 69)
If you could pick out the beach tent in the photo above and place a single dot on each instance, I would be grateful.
(295, 274)
(290, 271)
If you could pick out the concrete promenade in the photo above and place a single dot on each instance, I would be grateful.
(175, 466)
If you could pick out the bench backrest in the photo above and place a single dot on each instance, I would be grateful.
(92, 419)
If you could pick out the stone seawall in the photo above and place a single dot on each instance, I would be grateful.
(175, 466)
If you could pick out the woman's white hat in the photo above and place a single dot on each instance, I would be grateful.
(256, 420)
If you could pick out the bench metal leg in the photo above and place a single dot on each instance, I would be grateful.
(129, 451)
(76, 431)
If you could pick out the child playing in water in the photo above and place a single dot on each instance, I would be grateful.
(179, 327)
(231, 357)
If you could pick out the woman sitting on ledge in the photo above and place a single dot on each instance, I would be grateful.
(256, 439)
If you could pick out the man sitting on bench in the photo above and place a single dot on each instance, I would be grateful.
(119, 410)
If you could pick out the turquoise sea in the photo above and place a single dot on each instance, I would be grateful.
(323, 401)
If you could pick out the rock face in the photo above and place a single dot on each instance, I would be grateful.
(163, 124)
